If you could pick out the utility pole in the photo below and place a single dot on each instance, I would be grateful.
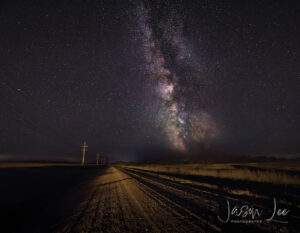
(84, 149)
(97, 157)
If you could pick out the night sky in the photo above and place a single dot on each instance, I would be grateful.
(136, 76)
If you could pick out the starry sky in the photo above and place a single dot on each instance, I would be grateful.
(134, 76)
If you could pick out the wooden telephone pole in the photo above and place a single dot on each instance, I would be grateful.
(84, 149)
(97, 157)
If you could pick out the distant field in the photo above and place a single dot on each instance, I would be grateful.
(32, 164)
(286, 173)
(39, 164)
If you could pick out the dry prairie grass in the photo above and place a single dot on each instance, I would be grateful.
(276, 173)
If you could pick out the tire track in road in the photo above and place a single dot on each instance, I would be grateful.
(83, 213)
(74, 220)
(98, 211)
(135, 203)
(193, 218)
(151, 213)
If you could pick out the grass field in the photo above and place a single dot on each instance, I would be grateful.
(286, 173)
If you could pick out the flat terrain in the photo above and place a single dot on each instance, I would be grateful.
(124, 199)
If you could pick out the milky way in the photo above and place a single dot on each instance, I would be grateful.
(145, 78)
(173, 69)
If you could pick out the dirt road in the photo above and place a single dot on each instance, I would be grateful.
(119, 203)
